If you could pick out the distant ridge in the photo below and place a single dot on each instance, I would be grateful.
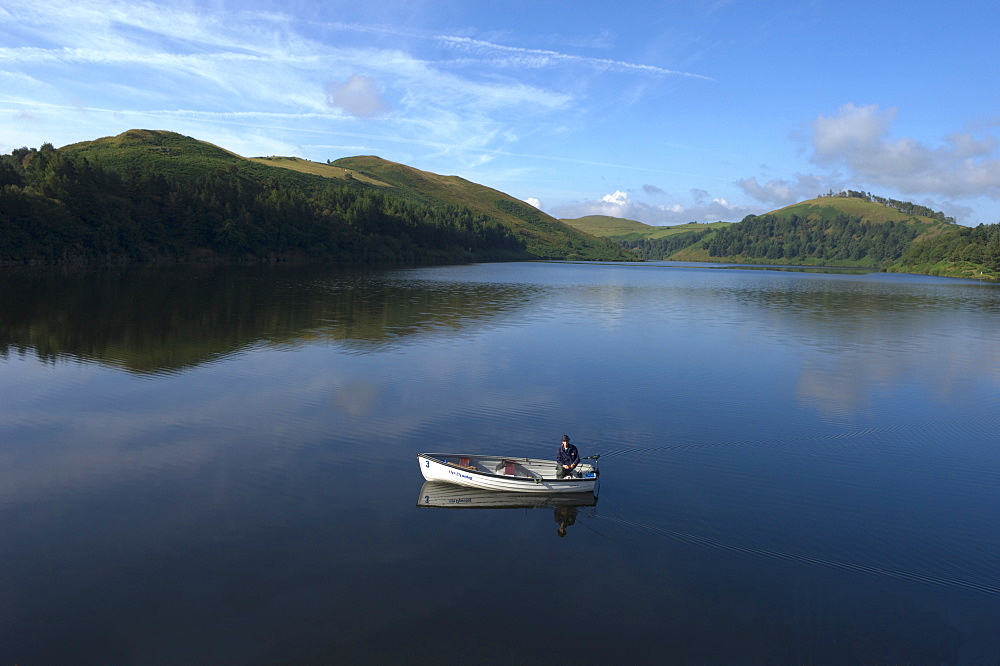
(606, 226)
(621, 229)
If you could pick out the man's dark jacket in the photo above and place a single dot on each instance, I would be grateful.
(567, 455)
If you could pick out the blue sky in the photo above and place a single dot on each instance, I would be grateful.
(665, 112)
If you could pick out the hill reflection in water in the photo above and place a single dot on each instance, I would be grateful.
(169, 319)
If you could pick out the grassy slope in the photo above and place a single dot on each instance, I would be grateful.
(826, 206)
(546, 237)
(605, 226)
(318, 169)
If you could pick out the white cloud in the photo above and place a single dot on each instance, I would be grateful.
(532, 201)
(619, 198)
(784, 192)
(858, 138)
(967, 146)
(852, 130)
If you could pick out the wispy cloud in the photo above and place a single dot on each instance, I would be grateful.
(533, 58)
(277, 73)
(204, 63)
(80, 56)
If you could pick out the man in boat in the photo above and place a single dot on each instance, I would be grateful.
(567, 458)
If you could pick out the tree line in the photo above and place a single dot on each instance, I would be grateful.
(60, 208)
(975, 245)
(837, 238)
(657, 249)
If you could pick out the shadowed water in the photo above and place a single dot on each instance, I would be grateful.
(218, 465)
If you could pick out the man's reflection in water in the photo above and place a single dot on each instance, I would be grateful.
(565, 516)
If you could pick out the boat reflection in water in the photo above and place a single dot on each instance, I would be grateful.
(436, 495)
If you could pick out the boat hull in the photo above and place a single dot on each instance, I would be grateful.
(507, 474)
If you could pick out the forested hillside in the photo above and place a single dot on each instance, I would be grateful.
(58, 206)
(154, 196)
(841, 239)
(837, 230)
(964, 252)
(657, 249)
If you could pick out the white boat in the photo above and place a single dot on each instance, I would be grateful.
(437, 495)
(507, 473)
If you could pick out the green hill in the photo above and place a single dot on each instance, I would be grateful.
(824, 208)
(853, 229)
(848, 229)
(149, 195)
(168, 154)
(180, 156)
(605, 226)
(833, 230)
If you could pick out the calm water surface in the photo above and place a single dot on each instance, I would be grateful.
(217, 465)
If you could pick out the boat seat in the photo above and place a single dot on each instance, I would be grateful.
(463, 462)
(508, 467)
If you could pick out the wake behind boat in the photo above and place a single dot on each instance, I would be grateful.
(518, 475)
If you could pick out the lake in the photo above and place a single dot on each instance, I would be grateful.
(218, 465)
